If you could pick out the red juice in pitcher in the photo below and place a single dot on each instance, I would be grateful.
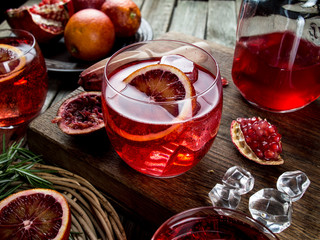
(161, 139)
(277, 71)
(23, 81)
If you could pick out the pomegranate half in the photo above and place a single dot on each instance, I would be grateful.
(46, 20)
(80, 114)
(257, 140)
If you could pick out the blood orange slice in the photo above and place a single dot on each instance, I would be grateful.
(35, 214)
(165, 85)
(11, 61)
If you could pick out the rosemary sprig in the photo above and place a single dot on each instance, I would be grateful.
(16, 166)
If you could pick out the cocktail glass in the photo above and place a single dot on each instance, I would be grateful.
(23, 81)
(158, 135)
(205, 223)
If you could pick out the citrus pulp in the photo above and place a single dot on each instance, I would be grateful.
(35, 214)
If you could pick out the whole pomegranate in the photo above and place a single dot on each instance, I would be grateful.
(46, 20)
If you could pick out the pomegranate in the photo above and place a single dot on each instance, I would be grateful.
(46, 20)
(83, 4)
(91, 78)
(80, 114)
(258, 140)
(225, 82)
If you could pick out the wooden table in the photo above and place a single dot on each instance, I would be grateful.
(146, 202)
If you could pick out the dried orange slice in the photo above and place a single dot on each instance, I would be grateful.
(163, 84)
(35, 214)
(12, 61)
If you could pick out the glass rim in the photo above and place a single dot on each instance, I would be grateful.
(216, 78)
(216, 210)
(27, 50)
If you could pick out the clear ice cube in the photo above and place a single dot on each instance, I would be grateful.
(160, 158)
(272, 208)
(196, 137)
(293, 183)
(182, 63)
(224, 196)
(238, 178)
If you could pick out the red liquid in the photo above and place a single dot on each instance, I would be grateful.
(270, 74)
(180, 145)
(211, 228)
(23, 93)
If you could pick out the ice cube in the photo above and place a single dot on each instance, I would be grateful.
(182, 63)
(160, 158)
(293, 183)
(195, 137)
(224, 196)
(272, 208)
(239, 179)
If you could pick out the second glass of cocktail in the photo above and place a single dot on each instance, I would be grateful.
(162, 103)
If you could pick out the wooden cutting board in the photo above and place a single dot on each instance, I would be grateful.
(157, 199)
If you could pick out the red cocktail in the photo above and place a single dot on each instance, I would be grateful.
(212, 223)
(277, 71)
(23, 78)
(162, 103)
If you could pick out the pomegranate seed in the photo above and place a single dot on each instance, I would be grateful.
(259, 153)
(248, 139)
(271, 129)
(268, 154)
(276, 137)
(224, 82)
(275, 147)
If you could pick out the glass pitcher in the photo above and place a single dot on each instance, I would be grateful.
(276, 64)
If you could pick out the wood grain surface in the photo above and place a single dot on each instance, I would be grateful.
(157, 199)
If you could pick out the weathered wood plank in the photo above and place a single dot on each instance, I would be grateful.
(238, 6)
(158, 14)
(221, 26)
(190, 18)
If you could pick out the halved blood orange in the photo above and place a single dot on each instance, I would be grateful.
(165, 85)
(35, 214)
(11, 61)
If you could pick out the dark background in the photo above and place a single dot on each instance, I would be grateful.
(6, 4)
